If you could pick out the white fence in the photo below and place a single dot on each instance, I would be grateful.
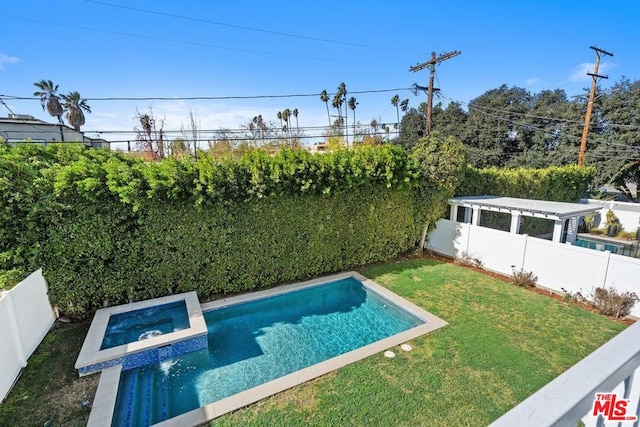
(25, 318)
(556, 265)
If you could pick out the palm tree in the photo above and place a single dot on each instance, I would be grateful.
(286, 115)
(279, 116)
(342, 92)
(385, 128)
(352, 105)
(337, 104)
(374, 126)
(262, 126)
(324, 97)
(74, 106)
(295, 114)
(394, 101)
(404, 105)
(49, 98)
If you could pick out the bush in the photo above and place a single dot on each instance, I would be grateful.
(108, 227)
(175, 247)
(558, 183)
(524, 279)
(611, 303)
(467, 260)
(10, 278)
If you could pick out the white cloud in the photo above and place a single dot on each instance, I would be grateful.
(6, 59)
(532, 81)
(117, 122)
(579, 73)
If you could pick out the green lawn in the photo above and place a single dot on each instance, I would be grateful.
(502, 344)
(49, 388)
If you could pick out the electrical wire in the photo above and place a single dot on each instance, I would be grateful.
(185, 42)
(206, 98)
(242, 27)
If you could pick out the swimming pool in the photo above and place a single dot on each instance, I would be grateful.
(599, 245)
(262, 344)
(145, 323)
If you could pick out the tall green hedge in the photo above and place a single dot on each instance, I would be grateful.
(557, 183)
(107, 227)
(224, 248)
(112, 228)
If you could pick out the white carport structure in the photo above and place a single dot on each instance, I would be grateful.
(560, 212)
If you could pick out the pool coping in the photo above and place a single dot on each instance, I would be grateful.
(91, 355)
(104, 400)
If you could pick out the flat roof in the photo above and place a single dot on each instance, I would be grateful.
(545, 208)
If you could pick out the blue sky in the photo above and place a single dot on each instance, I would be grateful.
(118, 48)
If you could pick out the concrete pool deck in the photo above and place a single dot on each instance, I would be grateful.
(104, 402)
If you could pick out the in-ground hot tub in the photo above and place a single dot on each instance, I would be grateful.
(141, 333)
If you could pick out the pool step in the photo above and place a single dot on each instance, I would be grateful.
(148, 401)
(133, 379)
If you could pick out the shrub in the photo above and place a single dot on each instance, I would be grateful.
(10, 278)
(612, 219)
(559, 183)
(467, 260)
(524, 279)
(611, 303)
(109, 227)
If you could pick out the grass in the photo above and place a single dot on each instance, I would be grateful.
(501, 345)
(49, 388)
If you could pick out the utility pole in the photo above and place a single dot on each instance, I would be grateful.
(431, 64)
(587, 119)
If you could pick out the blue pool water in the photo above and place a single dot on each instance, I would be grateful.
(256, 342)
(124, 328)
(598, 245)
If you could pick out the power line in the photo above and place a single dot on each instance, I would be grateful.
(242, 27)
(206, 98)
(431, 65)
(577, 123)
(580, 123)
(185, 42)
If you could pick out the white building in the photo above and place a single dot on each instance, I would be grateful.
(20, 128)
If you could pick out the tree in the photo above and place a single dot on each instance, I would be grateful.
(279, 116)
(337, 104)
(411, 128)
(295, 114)
(286, 115)
(324, 97)
(394, 101)
(191, 133)
(404, 105)
(500, 133)
(342, 92)
(616, 138)
(49, 99)
(385, 128)
(150, 134)
(450, 121)
(374, 126)
(352, 104)
(179, 148)
(442, 161)
(75, 107)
